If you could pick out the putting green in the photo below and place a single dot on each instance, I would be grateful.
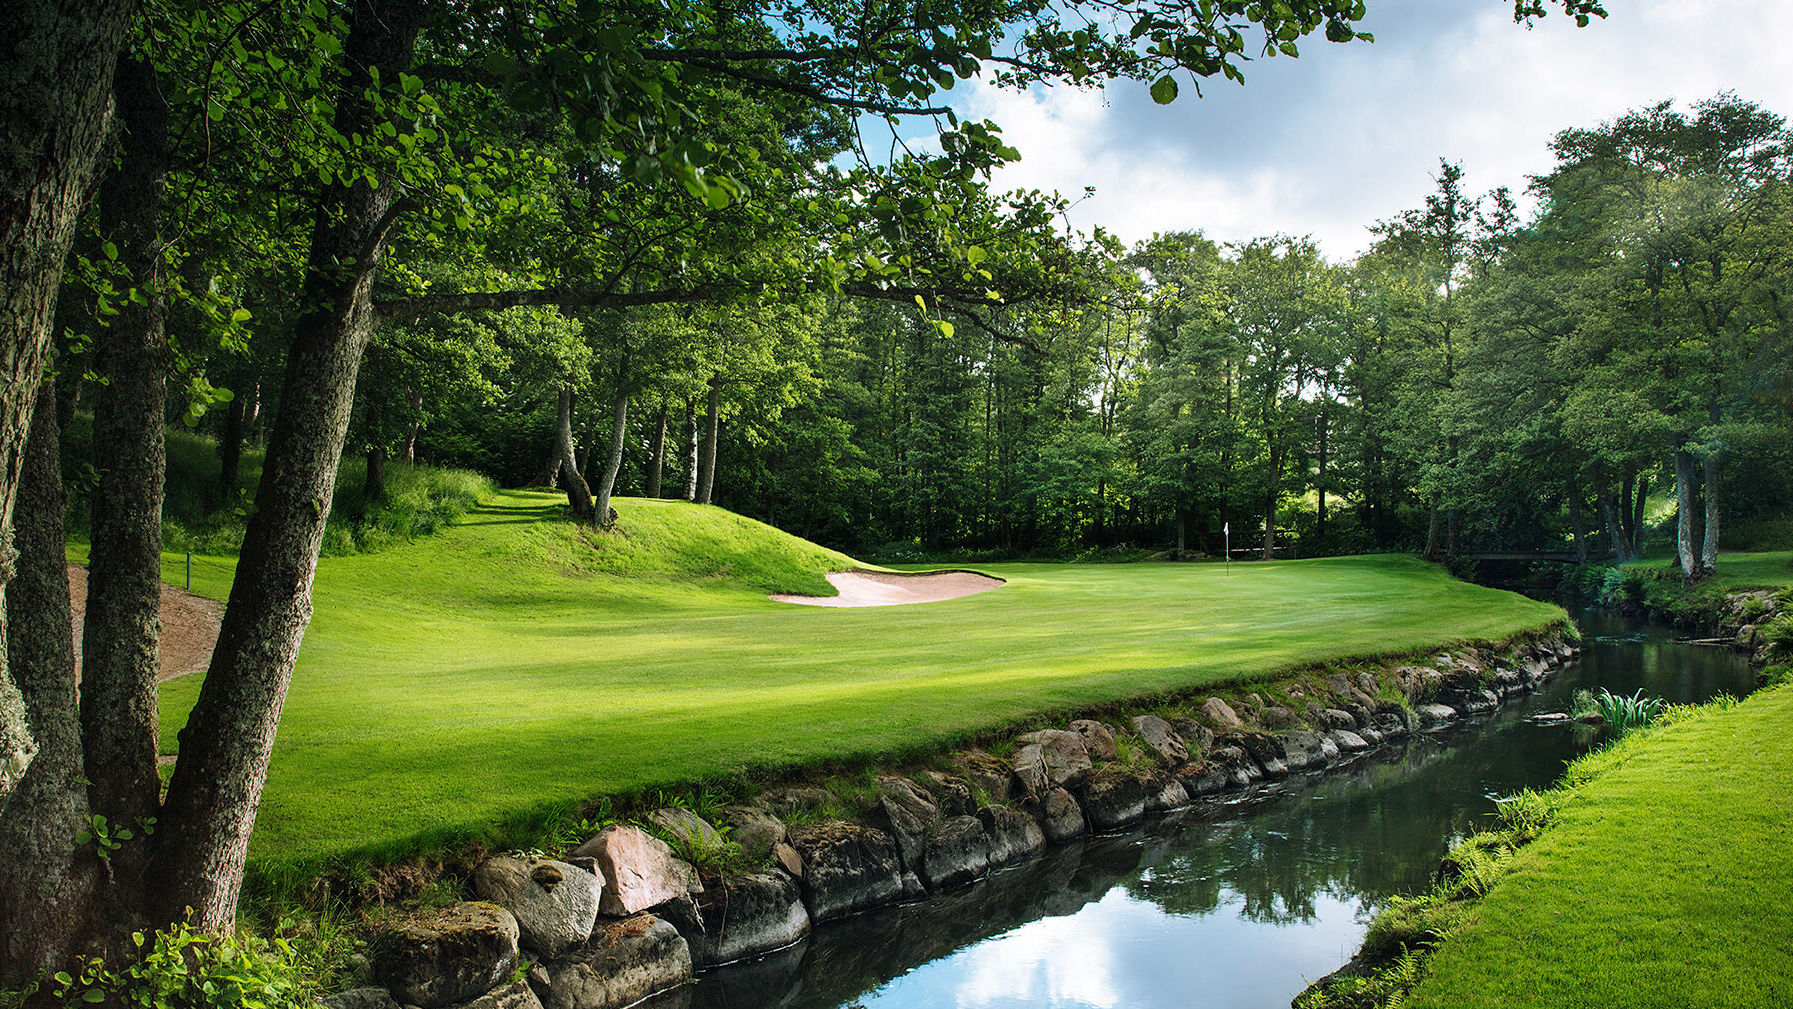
(513, 661)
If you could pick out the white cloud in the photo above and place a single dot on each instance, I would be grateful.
(1351, 134)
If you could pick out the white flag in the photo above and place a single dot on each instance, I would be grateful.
(1226, 528)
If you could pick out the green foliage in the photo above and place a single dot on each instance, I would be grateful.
(1777, 636)
(181, 966)
(1623, 714)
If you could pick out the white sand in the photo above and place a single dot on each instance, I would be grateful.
(873, 588)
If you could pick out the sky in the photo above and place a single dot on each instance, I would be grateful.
(1350, 134)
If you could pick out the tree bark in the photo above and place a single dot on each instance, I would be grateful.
(656, 464)
(1637, 516)
(691, 454)
(55, 110)
(1684, 513)
(121, 640)
(230, 447)
(47, 881)
(373, 483)
(578, 492)
(203, 838)
(1432, 529)
(619, 431)
(1709, 545)
(411, 429)
(1613, 526)
(1577, 525)
(706, 478)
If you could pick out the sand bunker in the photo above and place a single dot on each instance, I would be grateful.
(189, 625)
(874, 588)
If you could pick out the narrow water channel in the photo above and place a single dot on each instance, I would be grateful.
(1231, 907)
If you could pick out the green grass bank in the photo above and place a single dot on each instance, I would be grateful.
(1663, 881)
(512, 663)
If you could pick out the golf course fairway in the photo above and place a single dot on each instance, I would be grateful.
(513, 661)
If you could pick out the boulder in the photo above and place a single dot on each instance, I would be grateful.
(1158, 736)
(1360, 715)
(1370, 734)
(1116, 798)
(516, 995)
(447, 956)
(1302, 749)
(907, 814)
(1240, 769)
(1014, 836)
(1434, 714)
(555, 903)
(1058, 814)
(1196, 736)
(1264, 750)
(686, 828)
(1348, 741)
(1063, 755)
(1028, 764)
(1390, 726)
(361, 998)
(788, 859)
(987, 775)
(624, 962)
(755, 830)
(952, 793)
(796, 799)
(639, 870)
(1329, 749)
(1278, 717)
(743, 916)
(1170, 795)
(847, 868)
(1221, 714)
(1098, 739)
(1338, 718)
(1366, 682)
(1201, 779)
(958, 852)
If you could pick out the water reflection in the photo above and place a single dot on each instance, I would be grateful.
(1230, 906)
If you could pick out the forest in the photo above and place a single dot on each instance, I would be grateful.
(697, 251)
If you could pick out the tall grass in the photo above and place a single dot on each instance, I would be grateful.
(201, 515)
(1621, 713)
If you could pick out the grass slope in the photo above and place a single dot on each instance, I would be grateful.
(511, 661)
(1663, 884)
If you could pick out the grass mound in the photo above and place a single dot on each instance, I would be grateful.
(514, 664)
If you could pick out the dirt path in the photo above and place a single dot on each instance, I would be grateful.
(876, 588)
(189, 625)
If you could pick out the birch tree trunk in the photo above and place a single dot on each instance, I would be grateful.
(656, 463)
(706, 477)
(1684, 531)
(1709, 545)
(691, 455)
(619, 431)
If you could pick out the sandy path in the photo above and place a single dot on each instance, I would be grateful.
(189, 625)
(875, 588)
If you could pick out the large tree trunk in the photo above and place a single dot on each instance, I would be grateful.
(692, 452)
(656, 463)
(706, 477)
(1433, 526)
(578, 492)
(1614, 526)
(1684, 514)
(47, 881)
(1709, 543)
(55, 108)
(121, 642)
(1637, 516)
(619, 431)
(203, 837)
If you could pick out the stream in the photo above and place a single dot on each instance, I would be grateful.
(1231, 906)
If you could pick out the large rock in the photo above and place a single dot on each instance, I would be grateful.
(361, 998)
(555, 903)
(1163, 741)
(687, 828)
(950, 792)
(1221, 714)
(1240, 769)
(907, 813)
(796, 799)
(625, 962)
(743, 916)
(1098, 738)
(1338, 718)
(847, 868)
(1116, 798)
(1264, 749)
(639, 870)
(958, 852)
(1302, 749)
(1278, 717)
(1434, 714)
(1058, 814)
(1196, 736)
(757, 831)
(1028, 764)
(457, 953)
(1065, 758)
(1348, 741)
(516, 995)
(1170, 794)
(1205, 778)
(987, 775)
(1014, 836)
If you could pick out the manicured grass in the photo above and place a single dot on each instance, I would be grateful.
(1757, 570)
(1664, 883)
(510, 661)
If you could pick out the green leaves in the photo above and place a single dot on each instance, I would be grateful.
(1164, 90)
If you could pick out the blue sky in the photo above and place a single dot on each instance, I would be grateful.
(1349, 134)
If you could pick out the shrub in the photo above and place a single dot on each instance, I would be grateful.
(182, 966)
(1777, 636)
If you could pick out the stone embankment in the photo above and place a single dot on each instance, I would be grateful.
(622, 916)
